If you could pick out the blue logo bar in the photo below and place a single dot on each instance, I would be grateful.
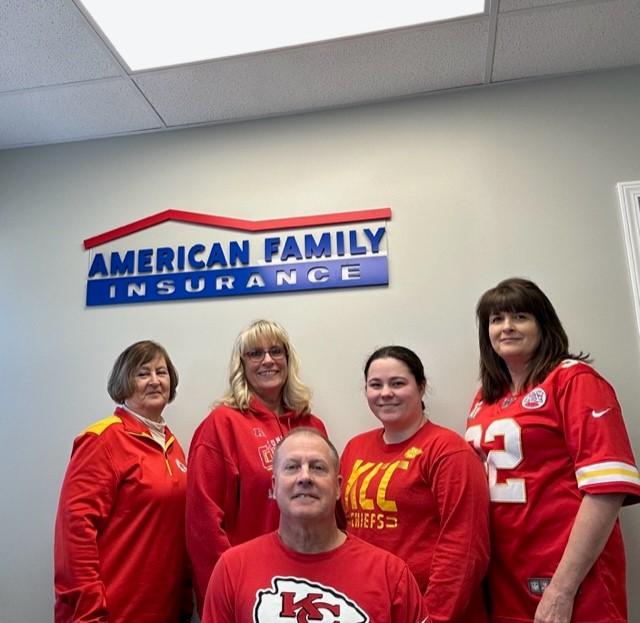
(346, 272)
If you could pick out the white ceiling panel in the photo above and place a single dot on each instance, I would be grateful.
(566, 39)
(73, 112)
(344, 72)
(46, 42)
(188, 31)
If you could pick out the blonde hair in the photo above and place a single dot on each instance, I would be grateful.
(296, 396)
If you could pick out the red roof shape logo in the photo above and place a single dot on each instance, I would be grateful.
(224, 222)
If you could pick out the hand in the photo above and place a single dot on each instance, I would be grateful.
(554, 607)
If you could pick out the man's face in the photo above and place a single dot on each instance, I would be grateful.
(305, 478)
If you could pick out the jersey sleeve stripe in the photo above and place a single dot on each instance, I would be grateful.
(609, 471)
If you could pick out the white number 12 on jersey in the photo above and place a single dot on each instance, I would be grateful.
(512, 489)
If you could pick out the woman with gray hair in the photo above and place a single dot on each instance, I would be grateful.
(120, 552)
(229, 497)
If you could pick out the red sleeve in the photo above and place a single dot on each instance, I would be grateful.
(211, 503)
(218, 604)
(461, 554)
(88, 494)
(407, 605)
(596, 437)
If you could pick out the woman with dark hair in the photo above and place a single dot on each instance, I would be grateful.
(559, 462)
(229, 498)
(416, 489)
(120, 553)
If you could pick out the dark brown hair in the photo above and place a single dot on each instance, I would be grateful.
(403, 354)
(520, 295)
(121, 384)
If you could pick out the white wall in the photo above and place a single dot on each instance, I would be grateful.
(488, 183)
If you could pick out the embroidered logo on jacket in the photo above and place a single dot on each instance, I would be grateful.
(295, 600)
(266, 451)
(534, 399)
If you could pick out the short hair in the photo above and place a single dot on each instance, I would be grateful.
(121, 383)
(520, 295)
(296, 396)
(403, 354)
(309, 431)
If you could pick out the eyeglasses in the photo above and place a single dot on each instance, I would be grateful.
(257, 354)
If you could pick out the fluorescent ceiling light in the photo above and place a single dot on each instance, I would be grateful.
(157, 33)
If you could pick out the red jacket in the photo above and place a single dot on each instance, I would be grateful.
(120, 554)
(228, 495)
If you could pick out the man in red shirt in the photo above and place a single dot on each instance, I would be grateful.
(309, 570)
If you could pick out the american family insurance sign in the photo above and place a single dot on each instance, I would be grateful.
(212, 256)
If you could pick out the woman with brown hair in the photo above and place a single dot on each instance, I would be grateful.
(559, 463)
(416, 489)
(120, 553)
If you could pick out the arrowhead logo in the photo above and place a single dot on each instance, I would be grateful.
(297, 600)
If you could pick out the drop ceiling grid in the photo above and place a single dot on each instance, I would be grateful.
(312, 77)
(60, 81)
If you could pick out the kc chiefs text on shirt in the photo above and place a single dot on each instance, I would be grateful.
(236, 257)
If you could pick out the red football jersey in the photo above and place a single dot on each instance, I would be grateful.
(544, 448)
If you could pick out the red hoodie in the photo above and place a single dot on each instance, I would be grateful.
(228, 491)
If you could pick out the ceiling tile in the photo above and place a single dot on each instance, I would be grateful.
(348, 71)
(514, 5)
(73, 112)
(566, 39)
(49, 42)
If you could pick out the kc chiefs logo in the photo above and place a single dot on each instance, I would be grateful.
(294, 600)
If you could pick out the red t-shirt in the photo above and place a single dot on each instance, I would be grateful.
(263, 581)
(425, 500)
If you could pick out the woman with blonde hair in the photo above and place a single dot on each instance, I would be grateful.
(229, 497)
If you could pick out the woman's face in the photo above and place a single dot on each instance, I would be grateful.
(393, 394)
(152, 387)
(266, 369)
(514, 336)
